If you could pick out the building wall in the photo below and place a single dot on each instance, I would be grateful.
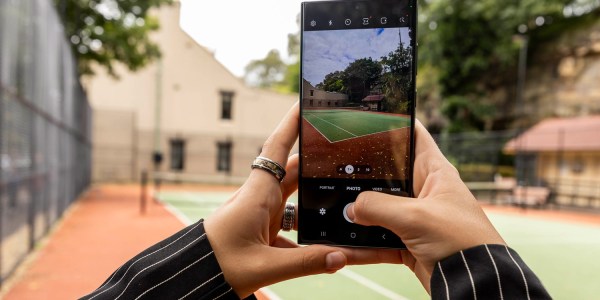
(579, 174)
(313, 97)
(113, 151)
(185, 86)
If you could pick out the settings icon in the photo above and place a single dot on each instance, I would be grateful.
(322, 211)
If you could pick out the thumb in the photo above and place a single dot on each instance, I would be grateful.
(288, 263)
(372, 208)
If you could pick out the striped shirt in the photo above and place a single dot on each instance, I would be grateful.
(184, 266)
(485, 272)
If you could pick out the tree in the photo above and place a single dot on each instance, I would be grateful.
(110, 31)
(266, 72)
(334, 82)
(360, 77)
(273, 73)
(291, 82)
(471, 45)
(396, 80)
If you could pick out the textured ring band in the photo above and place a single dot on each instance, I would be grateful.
(270, 166)
(289, 214)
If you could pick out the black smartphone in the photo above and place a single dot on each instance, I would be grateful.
(358, 69)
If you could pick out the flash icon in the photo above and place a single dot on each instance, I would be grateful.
(330, 23)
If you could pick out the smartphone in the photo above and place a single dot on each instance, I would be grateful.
(358, 69)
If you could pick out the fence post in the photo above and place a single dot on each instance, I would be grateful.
(144, 182)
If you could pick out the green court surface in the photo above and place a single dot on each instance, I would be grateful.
(339, 124)
(566, 257)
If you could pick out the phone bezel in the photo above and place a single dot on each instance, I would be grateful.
(412, 24)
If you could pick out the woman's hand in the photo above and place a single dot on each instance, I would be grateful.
(444, 218)
(243, 232)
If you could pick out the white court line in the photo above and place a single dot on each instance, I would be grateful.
(178, 214)
(371, 134)
(319, 131)
(334, 125)
(354, 135)
(186, 221)
(371, 284)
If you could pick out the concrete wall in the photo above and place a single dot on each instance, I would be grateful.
(113, 151)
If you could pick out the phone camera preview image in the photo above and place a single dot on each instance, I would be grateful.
(357, 115)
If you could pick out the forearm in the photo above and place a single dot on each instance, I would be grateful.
(181, 266)
(485, 272)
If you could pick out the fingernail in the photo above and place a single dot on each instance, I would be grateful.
(335, 260)
(350, 212)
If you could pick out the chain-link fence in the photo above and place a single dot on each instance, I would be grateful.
(555, 163)
(44, 127)
(478, 155)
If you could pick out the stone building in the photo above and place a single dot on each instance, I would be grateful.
(204, 120)
(313, 97)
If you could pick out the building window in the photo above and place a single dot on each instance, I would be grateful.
(578, 165)
(177, 155)
(224, 156)
(311, 103)
(312, 93)
(226, 105)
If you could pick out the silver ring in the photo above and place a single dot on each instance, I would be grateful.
(289, 214)
(270, 166)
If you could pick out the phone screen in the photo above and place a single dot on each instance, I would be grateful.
(357, 114)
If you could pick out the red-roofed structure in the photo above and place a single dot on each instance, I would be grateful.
(374, 102)
(558, 134)
(564, 155)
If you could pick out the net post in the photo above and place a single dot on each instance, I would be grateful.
(143, 183)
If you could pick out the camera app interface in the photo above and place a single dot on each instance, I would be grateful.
(357, 100)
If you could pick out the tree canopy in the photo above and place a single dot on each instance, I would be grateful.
(110, 31)
(272, 72)
(473, 45)
(390, 76)
(470, 50)
(266, 72)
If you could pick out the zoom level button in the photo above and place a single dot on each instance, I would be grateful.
(349, 169)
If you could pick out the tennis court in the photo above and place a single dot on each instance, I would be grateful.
(342, 124)
(563, 254)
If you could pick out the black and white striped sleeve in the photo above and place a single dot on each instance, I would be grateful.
(485, 272)
(182, 266)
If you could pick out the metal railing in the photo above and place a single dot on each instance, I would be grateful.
(575, 193)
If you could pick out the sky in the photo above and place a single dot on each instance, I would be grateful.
(333, 50)
(238, 31)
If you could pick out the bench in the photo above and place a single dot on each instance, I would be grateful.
(530, 196)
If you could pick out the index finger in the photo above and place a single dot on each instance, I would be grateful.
(280, 143)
